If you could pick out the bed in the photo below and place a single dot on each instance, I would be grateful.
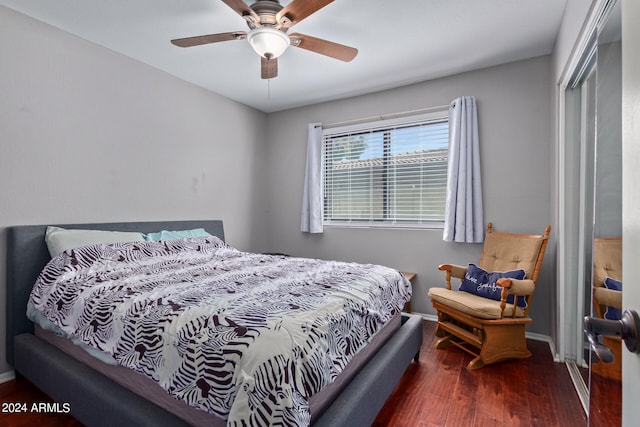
(97, 399)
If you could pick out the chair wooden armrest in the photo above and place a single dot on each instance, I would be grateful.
(517, 287)
(452, 270)
(524, 287)
(608, 297)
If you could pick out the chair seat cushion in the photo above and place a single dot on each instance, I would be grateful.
(471, 304)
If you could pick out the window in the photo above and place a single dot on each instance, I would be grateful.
(387, 173)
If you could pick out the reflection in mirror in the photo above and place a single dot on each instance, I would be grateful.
(587, 217)
(579, 147)
(590, 195)
(605, 390)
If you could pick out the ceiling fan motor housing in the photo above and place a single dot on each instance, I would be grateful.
(267, 11)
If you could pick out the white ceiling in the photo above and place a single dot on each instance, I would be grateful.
(399, 42)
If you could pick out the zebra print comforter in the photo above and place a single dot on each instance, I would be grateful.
(248, 337)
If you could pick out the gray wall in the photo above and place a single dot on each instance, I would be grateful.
(515, 135)
(88, 135)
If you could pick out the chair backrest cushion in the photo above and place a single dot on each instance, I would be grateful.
(607, 260)
(503, 251)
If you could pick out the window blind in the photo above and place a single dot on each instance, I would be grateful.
(386, 173)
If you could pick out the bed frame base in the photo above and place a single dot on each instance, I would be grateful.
(96, 400)
(373, 385)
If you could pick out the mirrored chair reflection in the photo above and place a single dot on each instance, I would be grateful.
(607, 298)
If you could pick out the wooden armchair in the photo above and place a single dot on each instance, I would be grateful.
(491, 329)
(607, 264)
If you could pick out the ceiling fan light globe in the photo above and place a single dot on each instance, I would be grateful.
(268, 42)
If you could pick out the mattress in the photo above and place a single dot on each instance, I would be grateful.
(185, 314)
(150, 390)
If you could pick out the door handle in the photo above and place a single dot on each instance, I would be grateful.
(626, 329)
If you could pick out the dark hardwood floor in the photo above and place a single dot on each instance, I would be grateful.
(606, 398)
(437, 391)
(18, 395)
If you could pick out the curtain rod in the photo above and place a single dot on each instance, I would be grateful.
(382, 117)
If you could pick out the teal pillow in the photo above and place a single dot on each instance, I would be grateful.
(178, 234)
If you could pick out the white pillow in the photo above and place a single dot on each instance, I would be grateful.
(60, 239)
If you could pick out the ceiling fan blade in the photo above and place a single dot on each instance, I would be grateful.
(297, 10)
(269, 67)
(323, 47)
(211, 38)
(241, 8)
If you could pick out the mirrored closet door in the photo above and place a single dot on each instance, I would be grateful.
(605, 387)
(591, 200)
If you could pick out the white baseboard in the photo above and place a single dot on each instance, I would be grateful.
(7, 376)
(429, 317)
(548, 340)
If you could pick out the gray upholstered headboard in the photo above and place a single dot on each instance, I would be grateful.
(27, 255)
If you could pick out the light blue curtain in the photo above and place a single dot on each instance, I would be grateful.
(311, 221)
(463, 210)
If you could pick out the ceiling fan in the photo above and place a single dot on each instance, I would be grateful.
(269, 22)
